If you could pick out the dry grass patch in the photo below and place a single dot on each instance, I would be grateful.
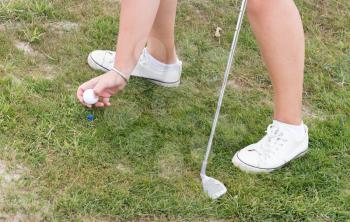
(123, 168)
(13, 196)
(238, 84)
(171, 165)
(62, 27)
(9, 175)
(26, 48)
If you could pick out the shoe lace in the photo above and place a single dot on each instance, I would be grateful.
(272, 142)
(109, 58)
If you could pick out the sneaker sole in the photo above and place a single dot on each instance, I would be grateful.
(94, 65)
(160, 83)
(251, 169)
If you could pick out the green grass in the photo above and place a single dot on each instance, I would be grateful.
(140, 159)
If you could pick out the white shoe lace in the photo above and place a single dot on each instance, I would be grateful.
(272, 142)
(108, 58)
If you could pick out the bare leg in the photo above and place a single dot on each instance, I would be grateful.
(279, 32)
(136, 20)
(161, 39)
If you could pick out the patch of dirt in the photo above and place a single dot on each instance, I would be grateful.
(171, 165)
(7, 176)
(8, 179)
(111, 7)
(26, 48)
(19, 218)
(63, 27)
(238, 84)
(123, 168)
(47, 71)
(202, 15)
(197, 154)
(309, 114)
(16, 80)
(18, 202)
(10, 25)
(2, 28)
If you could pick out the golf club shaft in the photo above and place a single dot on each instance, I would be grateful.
(224, 83)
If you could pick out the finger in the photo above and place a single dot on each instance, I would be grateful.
(99, 104)
(89, 84)
(106, 101)
(80, 93)
(106, 94)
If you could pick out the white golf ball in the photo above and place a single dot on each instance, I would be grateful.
(89, 97)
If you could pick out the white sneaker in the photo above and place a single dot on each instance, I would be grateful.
(273, 151)
(164, 75)
(101, 60)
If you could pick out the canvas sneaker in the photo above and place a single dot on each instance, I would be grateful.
(164, 75)
(278, 147)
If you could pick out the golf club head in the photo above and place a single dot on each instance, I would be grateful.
(213, 187)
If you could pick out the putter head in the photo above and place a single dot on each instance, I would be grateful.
(213, 187)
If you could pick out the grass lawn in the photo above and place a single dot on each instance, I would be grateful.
(140, 159)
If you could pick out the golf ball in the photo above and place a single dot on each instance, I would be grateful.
(89, 97)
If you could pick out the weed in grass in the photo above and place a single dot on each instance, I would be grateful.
(32, 35)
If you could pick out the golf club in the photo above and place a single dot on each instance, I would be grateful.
(211, 186)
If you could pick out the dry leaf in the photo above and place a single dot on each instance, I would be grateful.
(218, 32)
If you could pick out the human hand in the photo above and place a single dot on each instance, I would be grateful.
(104, 86)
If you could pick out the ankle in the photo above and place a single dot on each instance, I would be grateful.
(288, 119)
(166, 56)
(299, 131)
